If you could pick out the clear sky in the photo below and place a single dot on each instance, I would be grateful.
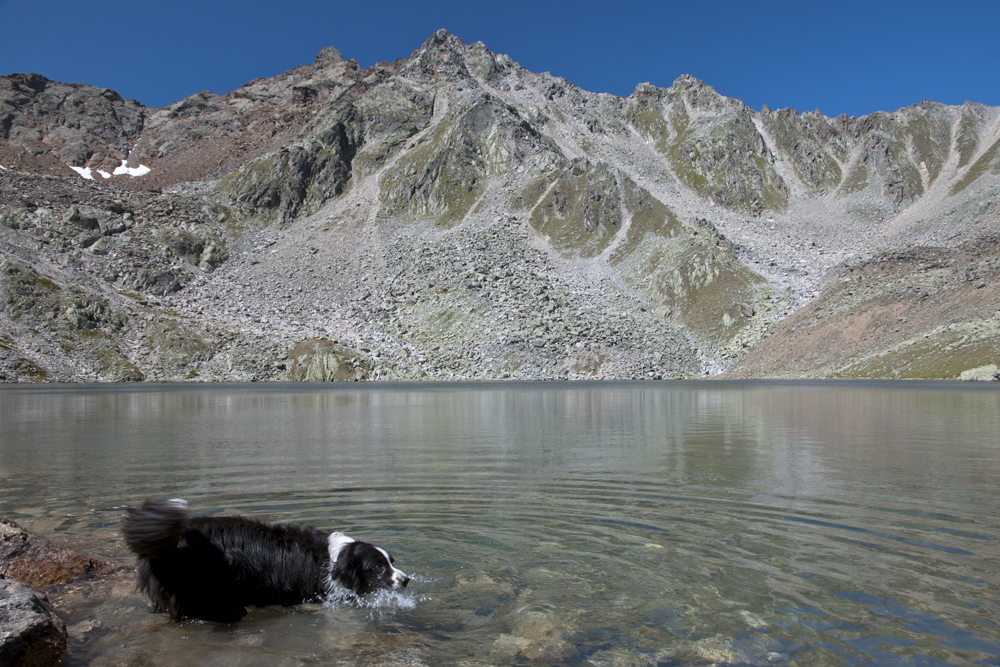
(838, 56)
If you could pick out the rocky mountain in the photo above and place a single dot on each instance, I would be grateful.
(454, 216)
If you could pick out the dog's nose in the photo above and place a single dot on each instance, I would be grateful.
(405, 580)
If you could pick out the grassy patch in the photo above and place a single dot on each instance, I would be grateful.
(987, 162)
(967, 140)
(944, 353)
(25, 370)
(703, 283)
(649, 216)
(114, 365)
(927, 138)
(46, 284)
(857, 179)
(646, 115)
(534, 190)
(582, 214)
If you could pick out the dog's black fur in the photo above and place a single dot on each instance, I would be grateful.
(214, 567)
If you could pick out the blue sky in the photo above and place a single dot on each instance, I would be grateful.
(845, 56)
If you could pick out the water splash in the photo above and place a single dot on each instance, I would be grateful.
(381, 604)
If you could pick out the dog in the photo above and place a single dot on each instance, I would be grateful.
(213, 567)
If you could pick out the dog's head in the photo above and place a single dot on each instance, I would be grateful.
(363, 568)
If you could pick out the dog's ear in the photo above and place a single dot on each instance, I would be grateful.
(347, 569)
(336, 543)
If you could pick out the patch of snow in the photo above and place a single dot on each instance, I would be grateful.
(84, 171)
(103, 173)
(141, 170)
(3, 167)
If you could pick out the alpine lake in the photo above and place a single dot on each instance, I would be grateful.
(617, 524)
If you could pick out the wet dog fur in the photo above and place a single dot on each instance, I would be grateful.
(213, 567)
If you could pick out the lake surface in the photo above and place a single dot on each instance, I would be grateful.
(675, 523)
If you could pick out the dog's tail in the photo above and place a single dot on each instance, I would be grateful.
(156, 527)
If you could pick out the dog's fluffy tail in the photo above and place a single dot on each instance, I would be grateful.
(156, 527)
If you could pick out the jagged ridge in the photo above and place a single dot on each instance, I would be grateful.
(454, 215)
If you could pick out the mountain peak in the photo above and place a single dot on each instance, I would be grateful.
(329, 56)
(441, 38)
(689, 81)
(691, 85)
(443, 54)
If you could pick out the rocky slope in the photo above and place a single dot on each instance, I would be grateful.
(455, 216)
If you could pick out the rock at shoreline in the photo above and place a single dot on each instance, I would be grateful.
(32, 635)
(36, 561)
(985, 373)
(319, 360)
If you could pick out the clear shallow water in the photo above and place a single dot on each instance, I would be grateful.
(597, 524)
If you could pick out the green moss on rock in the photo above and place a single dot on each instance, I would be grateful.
(725, 159)
(177, 347)
(296, 180)
(447, 172)
(929, 127)
(441, 178)
(321, 360)
(582, 213)
(812, 144)
(110, 364)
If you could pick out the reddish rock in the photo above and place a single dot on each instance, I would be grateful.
(36, 561)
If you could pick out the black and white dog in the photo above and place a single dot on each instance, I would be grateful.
(212, 567)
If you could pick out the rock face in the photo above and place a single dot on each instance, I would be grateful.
(51, 125)
(454, 216)
(32, 636)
